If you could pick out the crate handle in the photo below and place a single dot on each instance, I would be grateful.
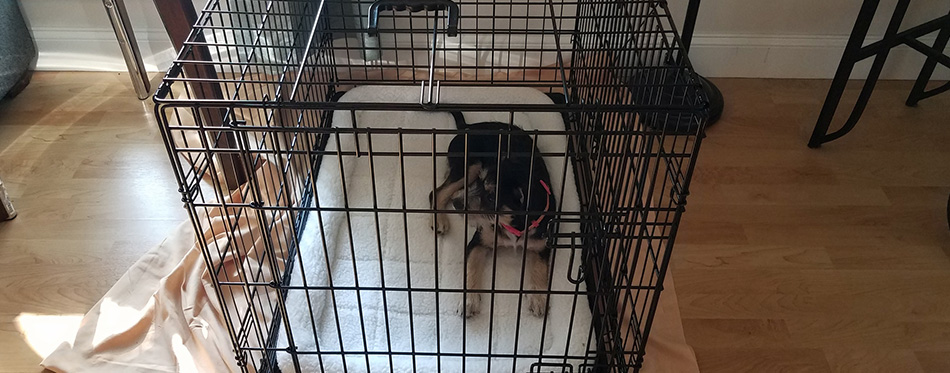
(414, 6)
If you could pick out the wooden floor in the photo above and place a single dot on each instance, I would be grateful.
(837, 259)
(788, 259)
(83, 160)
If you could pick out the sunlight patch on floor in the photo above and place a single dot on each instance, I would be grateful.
(44, 333)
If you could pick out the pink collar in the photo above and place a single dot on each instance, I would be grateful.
(536, 222)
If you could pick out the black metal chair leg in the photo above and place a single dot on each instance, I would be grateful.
(873, 75)
(848, 60)
(919, 91)
(845, 67)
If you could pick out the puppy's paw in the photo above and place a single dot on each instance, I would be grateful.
(538, 304)
(439, 224)
(470, 305)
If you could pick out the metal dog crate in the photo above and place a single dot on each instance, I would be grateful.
(258, 81)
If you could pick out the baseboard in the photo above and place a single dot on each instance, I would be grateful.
(722, 55)
(64, 49)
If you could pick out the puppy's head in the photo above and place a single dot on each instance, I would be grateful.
(506, 193)
(483, 195)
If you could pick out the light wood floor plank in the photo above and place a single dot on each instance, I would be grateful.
(730, 360)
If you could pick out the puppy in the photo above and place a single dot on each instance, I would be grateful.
(501, 174)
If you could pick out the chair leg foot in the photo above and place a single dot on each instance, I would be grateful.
(7, 211)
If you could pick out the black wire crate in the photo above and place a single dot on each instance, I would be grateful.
(317, 142)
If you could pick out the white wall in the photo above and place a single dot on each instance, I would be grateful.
(795, 38)
(734, 38)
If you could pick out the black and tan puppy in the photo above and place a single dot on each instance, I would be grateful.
(500, 173)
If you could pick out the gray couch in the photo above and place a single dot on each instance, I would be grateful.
(17, 50)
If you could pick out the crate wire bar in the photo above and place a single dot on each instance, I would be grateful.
(615, 71)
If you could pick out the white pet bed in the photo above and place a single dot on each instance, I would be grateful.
(435, 326)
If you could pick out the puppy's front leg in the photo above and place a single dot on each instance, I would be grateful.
(439, 200)
(475, 255)
(539, 265)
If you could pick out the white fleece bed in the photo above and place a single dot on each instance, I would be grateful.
(435, 326)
